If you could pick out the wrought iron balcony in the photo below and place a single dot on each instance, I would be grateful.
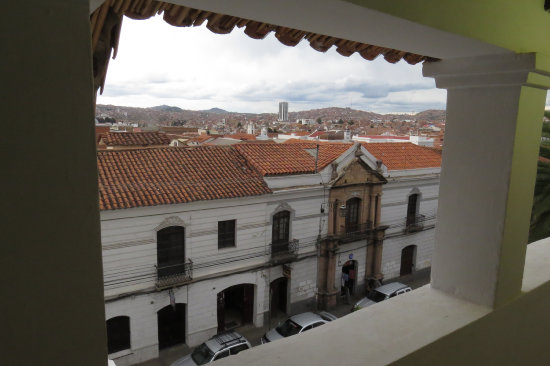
(353, 232)
(284, 251)
(175, 274)
(414, 223)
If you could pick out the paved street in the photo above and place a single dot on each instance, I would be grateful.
(253, 334)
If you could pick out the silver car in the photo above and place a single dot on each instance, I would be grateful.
(219, 346)
(380, 294)
(297, 324)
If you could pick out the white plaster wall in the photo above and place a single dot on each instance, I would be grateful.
(129, 236)
(303, 283)
(201, 319)
(142, 310)
(391, 254)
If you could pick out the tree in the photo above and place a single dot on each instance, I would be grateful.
(319, 121)
(340, 121)
(540, 213)
(239, 125)
(350, 122)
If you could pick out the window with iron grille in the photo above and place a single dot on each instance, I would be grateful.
(412, 209)
(352, 214)
(226, 234)
(171, 251)
(281, 229)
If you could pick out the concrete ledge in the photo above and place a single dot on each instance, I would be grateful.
(380, 334)
(428, 327)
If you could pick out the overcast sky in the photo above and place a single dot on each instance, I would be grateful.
(193, 68)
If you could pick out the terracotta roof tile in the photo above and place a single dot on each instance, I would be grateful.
(158, 176)
(135, 139)
(404, 155)
(294, 158)
(202, 138)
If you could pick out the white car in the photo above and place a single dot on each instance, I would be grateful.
(380, 294)
(220, 346)
(297, 324)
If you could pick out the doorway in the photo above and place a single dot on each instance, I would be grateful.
(349, 278)
(278, 296)
(407, 260)
(171, 325)
(235, 307)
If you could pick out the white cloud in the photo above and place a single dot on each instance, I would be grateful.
(194, 68)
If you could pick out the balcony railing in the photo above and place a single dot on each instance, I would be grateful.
(175, 274)
(354, 232)
(415, 223)
(284, 250)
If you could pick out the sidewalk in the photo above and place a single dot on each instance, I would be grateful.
(253, 334)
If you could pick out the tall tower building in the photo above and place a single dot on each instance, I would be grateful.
(283, 111)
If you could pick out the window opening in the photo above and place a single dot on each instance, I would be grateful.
(226, 234)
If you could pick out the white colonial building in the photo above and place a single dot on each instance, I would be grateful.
(198, 240)
(409, 204)
(204, 239)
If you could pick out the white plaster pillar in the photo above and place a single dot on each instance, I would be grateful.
(494, 117)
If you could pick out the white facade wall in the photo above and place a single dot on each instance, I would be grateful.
(130, 258)
(394, 213)
(391, 254)
(303, 284)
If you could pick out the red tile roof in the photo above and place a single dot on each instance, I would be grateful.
(158, 176)
(202, 138)
(293, 158)
(404, 155)
(135, 139)
(542, 159)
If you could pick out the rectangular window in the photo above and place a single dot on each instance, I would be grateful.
(226, 234)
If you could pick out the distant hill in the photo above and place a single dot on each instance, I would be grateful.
(215, 110)
(166, 115)
(167, 108)
(431, 115)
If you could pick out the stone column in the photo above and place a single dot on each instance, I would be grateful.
(327, 268)
(494, 116)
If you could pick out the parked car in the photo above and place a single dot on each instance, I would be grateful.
(380, 294)
(297, 324)
(219, 346)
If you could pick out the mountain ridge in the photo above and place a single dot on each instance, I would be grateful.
(165, 114)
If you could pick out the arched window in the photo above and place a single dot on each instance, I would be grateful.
(118, 334)
(412, 209)
(170, 251)
(352, 214)
(281, 227)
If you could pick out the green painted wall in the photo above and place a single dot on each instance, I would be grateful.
(519, 25)
(51, 310)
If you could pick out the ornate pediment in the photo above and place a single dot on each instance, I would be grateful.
(357, 172)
